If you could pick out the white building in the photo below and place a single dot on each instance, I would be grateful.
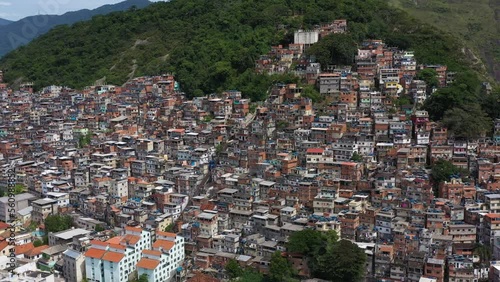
(161, 263)
(306, 37)
(116, 259)
(61, 198)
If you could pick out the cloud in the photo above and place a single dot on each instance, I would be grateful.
(3, 3)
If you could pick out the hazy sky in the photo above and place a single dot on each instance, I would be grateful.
(18, 9)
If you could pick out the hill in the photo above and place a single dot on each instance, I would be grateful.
(211, 45)
(15, 34)
(476, 22)
(4, 22)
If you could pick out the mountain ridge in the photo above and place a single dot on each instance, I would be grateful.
(23, 31)
(5, 22)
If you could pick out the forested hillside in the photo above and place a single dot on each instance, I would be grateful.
(474, 22)
(210, 45)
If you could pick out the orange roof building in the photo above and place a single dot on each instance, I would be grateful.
(95, 253)
(23, 249)
(113, 257)
(163, 244)
(147, 263)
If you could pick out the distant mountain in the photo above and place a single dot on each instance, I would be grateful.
(15, 34)
(5, 22)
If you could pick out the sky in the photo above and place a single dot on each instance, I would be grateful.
(17, 9)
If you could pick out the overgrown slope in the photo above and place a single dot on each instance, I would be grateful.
(210, 45)
(476, 22)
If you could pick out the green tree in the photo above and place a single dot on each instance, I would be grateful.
(430, 77)
(170, 227)
(334, 49)
(467, 122)
(280, 269)
(310, 242)
(99, 228)
(328, 258)
(233, 269)
(403, 100)
(483, 252)
(251, 276)
(310, 92)
(56, 223)
(37, 243)
(143, 278)
(443, 170)
(356, 157)
(19, 189)
(347, 263)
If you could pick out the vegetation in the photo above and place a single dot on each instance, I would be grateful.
(474, 22)
(56, 223)
(356, 157)
(463, 108)
(430, 77)
(443, 170)
(143, 278)
(170, 227)
(280, 269)
(99, 228)
(233, 269)
(37, 243)
(85, 140)
(237, 273)
(327, 257)
(483, 252)
(18, 189)
(335, 49)
(211, 46)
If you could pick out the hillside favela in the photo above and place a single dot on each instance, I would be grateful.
(249, 141)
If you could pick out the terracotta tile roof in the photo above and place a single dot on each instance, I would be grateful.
(164, 244)
(148, 263)
(99, 243)
(152, 253)
(166, 234)
(95, 253)
(130, 239)
(36, 251)
(113, 256)
(115, 240)
(22, 249)
(133, 229)
(117, 246)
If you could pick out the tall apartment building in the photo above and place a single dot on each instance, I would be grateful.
(120, 256)
(162, 261)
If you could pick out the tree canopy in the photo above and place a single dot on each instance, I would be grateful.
(329, 258)
(56, 223)
(443, 170)
(280, 269)
(334, 49)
